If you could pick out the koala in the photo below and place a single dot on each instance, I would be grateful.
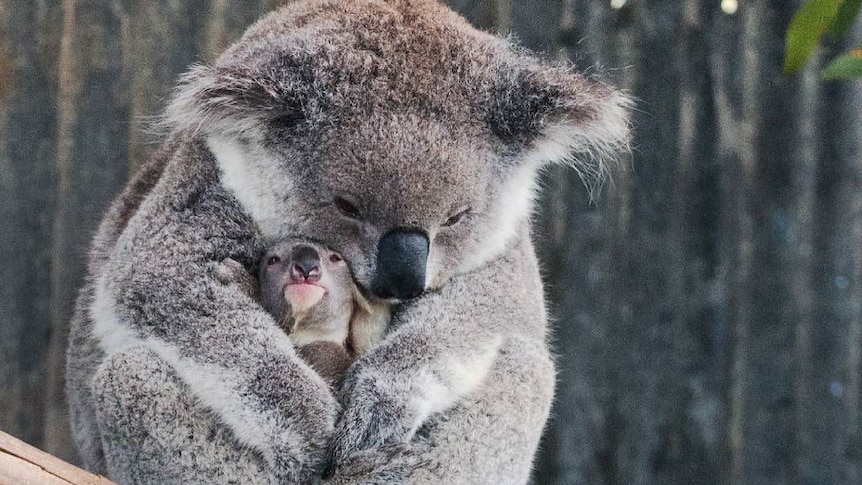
(408, 142)
(308, 289)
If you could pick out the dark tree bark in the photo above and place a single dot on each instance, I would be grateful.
(91, 167)
(28, 120)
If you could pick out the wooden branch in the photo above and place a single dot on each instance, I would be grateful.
(22, 464)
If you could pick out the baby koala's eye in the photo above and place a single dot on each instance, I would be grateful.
(335, 258)
(273, 260)
(347, 208)
(457, 217)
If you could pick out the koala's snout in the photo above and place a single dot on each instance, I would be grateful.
(305, 264)
(401, 259)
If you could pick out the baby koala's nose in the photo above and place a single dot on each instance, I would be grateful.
(305, 265)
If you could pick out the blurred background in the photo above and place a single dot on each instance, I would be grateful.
(708, 303)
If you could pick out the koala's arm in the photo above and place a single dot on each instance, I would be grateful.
(471, 358)
(154, 430)
(158, 292)
(489, 437)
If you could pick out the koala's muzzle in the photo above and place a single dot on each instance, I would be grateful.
(305, 264)
(401, 259)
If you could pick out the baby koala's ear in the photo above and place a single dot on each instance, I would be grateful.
(552, 114)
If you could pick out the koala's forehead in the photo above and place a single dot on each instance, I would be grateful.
(283, 247)
(353, 58)
(405, 165)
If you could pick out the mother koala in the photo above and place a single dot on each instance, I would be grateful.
(401, 137)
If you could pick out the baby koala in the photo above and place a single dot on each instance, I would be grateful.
(309, 290)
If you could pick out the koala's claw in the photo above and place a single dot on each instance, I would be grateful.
(231, 272)
(372, 418)
(228, 271)
(288, 469)
(381, 465)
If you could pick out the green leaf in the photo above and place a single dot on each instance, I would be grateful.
(809, 23)
(844, 20)
(846, 66)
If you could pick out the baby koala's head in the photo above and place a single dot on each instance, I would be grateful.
(309, 289)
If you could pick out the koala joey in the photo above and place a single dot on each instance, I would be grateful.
(408, 142)
(308, 289)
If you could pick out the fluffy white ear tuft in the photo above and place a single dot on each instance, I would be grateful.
(554, 115)
(587, 144)
(230, 101)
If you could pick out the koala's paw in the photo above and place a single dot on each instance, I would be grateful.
(288, 468)
(231, 272)
(381, 465)
(374, 415)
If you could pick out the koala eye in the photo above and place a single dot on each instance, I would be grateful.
(273, 260)
(457, 217)
(335, 258)
(347, 208)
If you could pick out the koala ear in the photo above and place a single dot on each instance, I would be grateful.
(231, 100)
(554, 115)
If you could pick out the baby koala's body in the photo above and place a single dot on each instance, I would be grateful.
(309, 290)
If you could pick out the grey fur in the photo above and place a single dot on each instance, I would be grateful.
(172, 373)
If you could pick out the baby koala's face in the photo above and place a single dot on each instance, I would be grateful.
(309, 289)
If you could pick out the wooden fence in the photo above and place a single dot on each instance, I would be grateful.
(708, 306)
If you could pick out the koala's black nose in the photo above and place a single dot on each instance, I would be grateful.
(401, 259)
(305, 264)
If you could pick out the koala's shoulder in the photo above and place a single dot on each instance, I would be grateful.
(177, 199)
